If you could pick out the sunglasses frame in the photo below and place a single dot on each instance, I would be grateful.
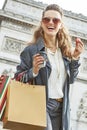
(55, 20)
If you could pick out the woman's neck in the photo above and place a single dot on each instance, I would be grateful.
(51, 43)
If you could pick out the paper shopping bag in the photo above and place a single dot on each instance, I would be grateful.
(4, 80)
(26, 107)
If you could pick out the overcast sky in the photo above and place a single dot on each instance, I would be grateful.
(1, 3)
(76, 6)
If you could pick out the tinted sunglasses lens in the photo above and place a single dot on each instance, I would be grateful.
(45, 20)
(56, 20)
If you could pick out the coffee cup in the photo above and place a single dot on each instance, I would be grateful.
(42, 53)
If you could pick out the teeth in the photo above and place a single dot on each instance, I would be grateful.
(50, 28)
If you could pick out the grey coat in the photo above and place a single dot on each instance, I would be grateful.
(44, 73)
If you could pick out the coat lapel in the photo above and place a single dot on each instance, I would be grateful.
(66, 63)
(41, 47)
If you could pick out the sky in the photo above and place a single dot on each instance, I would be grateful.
(1, 3)
(76, 6)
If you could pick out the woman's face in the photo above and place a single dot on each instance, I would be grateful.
(51, 22)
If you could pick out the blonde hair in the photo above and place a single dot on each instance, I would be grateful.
(63, 37)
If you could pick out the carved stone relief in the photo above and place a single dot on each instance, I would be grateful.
(84, 66)
(12, 46)
(82, 109)
(78, 101)
(8, 72)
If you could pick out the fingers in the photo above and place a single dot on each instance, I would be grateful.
(79, 47)
(79, 42)
(37, 60)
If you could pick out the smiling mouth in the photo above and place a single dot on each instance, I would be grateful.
(50, 28)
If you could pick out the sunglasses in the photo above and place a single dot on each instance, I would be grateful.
(46, 20)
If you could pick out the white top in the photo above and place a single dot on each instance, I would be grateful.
(57, 76)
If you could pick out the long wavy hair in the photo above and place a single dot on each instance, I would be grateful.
(63, 37)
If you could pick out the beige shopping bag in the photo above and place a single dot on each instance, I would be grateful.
(26, 107)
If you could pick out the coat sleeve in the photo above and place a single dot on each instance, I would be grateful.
(74, 70)
(24, 71)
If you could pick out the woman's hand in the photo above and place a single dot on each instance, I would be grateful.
(37, 61)
(78, 48)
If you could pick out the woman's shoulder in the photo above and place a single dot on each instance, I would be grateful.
(38, 43)
(29, 47)
(29, 50)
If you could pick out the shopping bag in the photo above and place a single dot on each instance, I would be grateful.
(4, 80)
(26, 107)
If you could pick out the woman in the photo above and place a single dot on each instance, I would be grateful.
(51, 61)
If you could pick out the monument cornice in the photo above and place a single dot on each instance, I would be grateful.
(76, 33)
(18, 18)
(75, 15)
(9, 61)
(33, 3)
